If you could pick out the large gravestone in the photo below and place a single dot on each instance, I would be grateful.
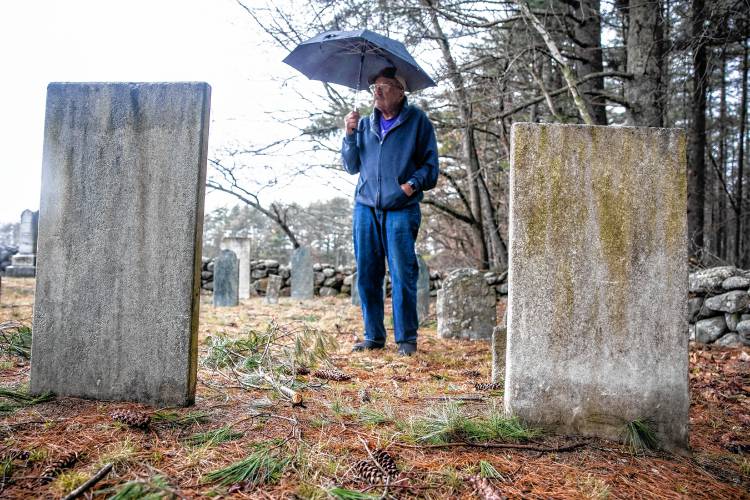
(241, 248)
(466, 306)
(423, 291)
(302, 274)
(119, 253)
(23, 264)
(598, 280)
(226, 279)
(273, 289)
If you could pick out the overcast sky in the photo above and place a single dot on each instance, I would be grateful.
(140, 40)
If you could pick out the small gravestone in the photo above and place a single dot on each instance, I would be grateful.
(499, 341)
(355, 290)
(272, 289)
(241, 248)
(23, 264)
(226, 279)
(423, 291)
(598, 280)
(119, 250)
(302, 274)
(466, 306)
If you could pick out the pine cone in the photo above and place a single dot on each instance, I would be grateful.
(470, 374)
(485, 489)
(368, 472)
(488, 386)
(132, 418)
(57, 466)
(303, 370)
(15, 454)
(364, 395)
(400, 378)
(332, 374)
(387, 462)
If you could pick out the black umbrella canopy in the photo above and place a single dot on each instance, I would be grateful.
(350, 58)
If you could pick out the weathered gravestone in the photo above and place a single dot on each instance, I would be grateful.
(241, 248)
(226, 279)
(23, 264)
(302, 274)
(466, 306)
(598, 280)
(273, 289)
(423, 290)
(355, 290)
(119, 254)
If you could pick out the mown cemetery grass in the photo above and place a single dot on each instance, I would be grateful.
(283, 410)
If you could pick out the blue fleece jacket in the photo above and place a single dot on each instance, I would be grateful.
(408, 152)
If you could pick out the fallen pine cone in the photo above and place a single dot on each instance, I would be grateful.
(488, 386)
(371, 473)
(387, 462)
(303, 370)
(400, 378)
(57, 466)
(485, 489)
(331, 374)
(138, 419)
(15, 454)
(470, 374)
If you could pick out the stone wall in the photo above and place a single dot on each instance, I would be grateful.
(330, 280)
(719, 306)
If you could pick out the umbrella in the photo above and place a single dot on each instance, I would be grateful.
(350, 58)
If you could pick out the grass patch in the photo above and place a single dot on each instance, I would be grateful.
(67, 481)
(344, 494)
(14, 400)
(487, 470)
(155, 488)
(448, 423)
(118, 454)
(171, 418)
(260, 467)
(15, 339)
(640, 435)
(214, 437)
(373, 417)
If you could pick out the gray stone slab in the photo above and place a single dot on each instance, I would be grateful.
(302, 274)
(355, 291)
(28, 232)
(226, 279)
(466, 306)
(119, 248)
(241, 248)
(423, 291)
(273, 289)
(597, 302)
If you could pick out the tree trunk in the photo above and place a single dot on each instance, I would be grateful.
(645, 61)
(720, 235)
(468, 144)
(697, 136)
(588, 33)
(738, 235)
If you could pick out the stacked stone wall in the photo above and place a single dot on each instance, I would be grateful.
(719, 306)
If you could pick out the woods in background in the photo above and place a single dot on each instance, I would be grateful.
(656, 63)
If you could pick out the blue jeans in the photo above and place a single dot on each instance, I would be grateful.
(381, 235)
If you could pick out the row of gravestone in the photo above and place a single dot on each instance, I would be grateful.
(596, 215)
(719, 306)
(328, 280)
(20, 261)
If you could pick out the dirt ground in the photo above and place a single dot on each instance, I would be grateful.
(326, 437)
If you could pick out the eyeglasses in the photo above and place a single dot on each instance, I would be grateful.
(383, 87)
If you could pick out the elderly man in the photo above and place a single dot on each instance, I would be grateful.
(394, 150)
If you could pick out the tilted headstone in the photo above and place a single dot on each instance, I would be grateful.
(598, 280)
(272, 289)
(466, 306)
(423, 291)
(226, 279)
(120, 229)
(241, 248)
(23, 264)
(302, 274)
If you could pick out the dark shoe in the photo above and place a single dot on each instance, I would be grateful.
(406, 349)
(366, 345)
